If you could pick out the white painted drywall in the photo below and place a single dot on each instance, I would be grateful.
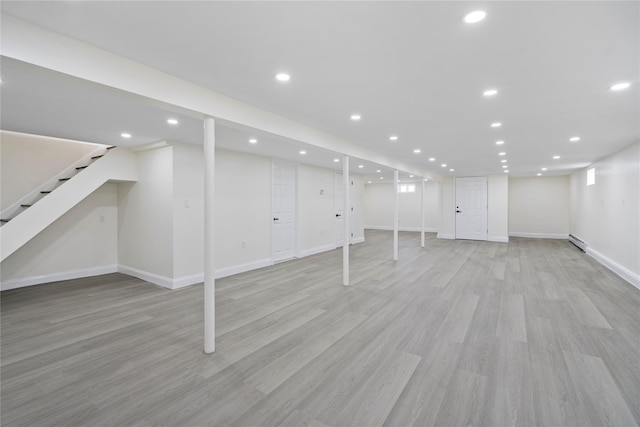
(145, 215)
(243, 209)
(539, 206)
(28, 161)
(607, 215)
(188, 210)
(316, 215)
(379, 200)
(447, 230)
(498, 208)
(83, 242)
(357, 201)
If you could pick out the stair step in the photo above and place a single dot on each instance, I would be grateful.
(64, 179)
(97, 157)
(80, 167)
(25, 206)
(45, 192)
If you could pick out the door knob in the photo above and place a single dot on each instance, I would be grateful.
(458, 211)
(275, 219)
(338, 215)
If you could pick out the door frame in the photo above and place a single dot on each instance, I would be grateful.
(337, 180)
(455, 201)
(296, 228)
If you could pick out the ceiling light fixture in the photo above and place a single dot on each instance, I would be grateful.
(432, 159)
(172, 121)
(393, 138)
(475, 16)
(539, 174)
(499, 142)
(504, 166)
(506, 171)
(620, 86)
(451, 170)
(303, 152)
(283, 77)
(490, 92)
(381, 177)
(496, 124)
(444, 165)
(503, 161)
(574, 139)
(410, 176)
(368, 182)
(360, 166)
(253, 141)
(556, 157)
(502, 153)
(355, 117)
(426, 179)
(543, 169)
(378, 171)
(336, 160)
(125, 135)
(417, 151)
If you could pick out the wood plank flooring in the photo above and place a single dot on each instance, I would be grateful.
(531, 333)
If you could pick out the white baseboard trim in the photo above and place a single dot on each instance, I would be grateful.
(156, 279)
(185, 281)
(57, 277)
(621, 271)
(540, 235)
(389, 228)
(317, 250)
(498, 239)
(446, 236)
(356, 240)
(242, 268)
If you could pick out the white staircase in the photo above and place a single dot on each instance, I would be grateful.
(23, 220)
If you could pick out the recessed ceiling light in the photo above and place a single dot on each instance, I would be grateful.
(499, 142)
(502, 153)
(360, 166)
(393, 138)
(556, 157)
(381, 177)
(475, 16)
(444, 165)
(490, 92)
(620, 86)
(417, 151)
(426, 179)
(378, 171)
(253, 141)
(172, 121)
(125, 135)
(496, 124)
(506, 171)
(355, 117)
(451, 170)
(574, 139)
(303, 152)
(410, 176)
(539, 174)
(368, 182)
(283, 77)
(504, 166)
(543, 169)
(432, 159)
(503, 161)
(336, 160)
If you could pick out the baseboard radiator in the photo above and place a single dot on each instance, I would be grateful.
(579, 243)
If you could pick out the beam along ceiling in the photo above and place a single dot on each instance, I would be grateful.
(411, 70)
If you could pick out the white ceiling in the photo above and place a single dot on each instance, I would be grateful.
(412, 69)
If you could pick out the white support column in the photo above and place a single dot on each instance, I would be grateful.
(346, 220)
(395, 216)
(422, 215)
(209, 223)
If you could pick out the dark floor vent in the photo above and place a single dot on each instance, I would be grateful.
(579, 243)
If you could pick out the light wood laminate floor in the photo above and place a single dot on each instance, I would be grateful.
(528, 333)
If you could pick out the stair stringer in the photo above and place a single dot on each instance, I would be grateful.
(119, 164)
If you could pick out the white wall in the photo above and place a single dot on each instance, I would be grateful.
(243, 210)
(316, 214)
(28, 161)
(539, 206)
(145, 215)
(188, 211)
(379, 207)
(607, 215)
(81, 243)
(357, 201)
(498, 208)
(447, 228)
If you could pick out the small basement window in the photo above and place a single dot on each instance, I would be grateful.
(407, 188)
(591, 176)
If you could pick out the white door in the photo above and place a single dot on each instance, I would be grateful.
(471, 208)
(283, 207)
(339, 209)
